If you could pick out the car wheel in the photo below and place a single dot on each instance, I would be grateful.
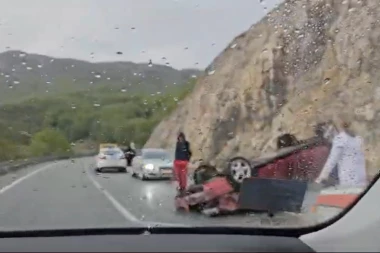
(238, 169)
(99, 170)
(143, 177)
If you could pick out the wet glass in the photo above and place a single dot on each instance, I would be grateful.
(277, 100)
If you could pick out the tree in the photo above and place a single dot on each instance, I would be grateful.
(49, 142)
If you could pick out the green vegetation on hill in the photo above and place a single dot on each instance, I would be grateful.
(52, 125)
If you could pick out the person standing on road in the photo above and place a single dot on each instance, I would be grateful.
(129, 155)
(181, 160)
(347, 155)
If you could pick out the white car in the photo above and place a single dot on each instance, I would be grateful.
(153, 164)
(111, 158)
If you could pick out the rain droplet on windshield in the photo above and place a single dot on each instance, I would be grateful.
(119, 52)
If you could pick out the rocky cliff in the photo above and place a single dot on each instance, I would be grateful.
(302, 63)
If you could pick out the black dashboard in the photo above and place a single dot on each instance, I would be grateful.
(145, 241)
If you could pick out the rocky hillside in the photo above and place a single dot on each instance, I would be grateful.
(303, 63)
(23, 74)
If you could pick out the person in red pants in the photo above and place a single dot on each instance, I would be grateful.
(181, 160)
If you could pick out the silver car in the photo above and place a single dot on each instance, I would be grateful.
(153, 164)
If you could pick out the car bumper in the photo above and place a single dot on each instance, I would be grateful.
(112, 164)
(157, 174)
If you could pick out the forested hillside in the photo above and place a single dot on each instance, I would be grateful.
(58, 123)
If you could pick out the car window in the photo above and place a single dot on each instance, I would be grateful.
(112, 152)
(155, 155)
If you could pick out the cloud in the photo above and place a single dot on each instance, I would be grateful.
(163, 28)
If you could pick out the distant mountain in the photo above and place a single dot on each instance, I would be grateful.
(23, 75)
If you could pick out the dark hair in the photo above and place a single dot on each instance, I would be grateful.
(181, 134)
(319, 129)
(286, 140)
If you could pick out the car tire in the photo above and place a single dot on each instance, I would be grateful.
(238, 169)
(124, 170)
(99, 170)
(143, 177)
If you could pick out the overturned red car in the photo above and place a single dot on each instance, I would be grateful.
(284, 179)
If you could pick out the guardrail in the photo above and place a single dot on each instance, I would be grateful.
(8, 166)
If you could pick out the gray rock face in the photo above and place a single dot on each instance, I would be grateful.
(303, 63)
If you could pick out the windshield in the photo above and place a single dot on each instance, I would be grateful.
(155, 155)
(282, 91)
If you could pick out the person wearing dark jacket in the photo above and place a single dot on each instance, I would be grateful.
(129, 155)
(181, 160)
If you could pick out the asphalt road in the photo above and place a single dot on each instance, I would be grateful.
(69, 194)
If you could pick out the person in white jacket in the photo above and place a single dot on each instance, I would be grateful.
(347, 155)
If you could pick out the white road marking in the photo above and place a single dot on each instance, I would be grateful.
(119, 207)
(21, 179)
(124, 211)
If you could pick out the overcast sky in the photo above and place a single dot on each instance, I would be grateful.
(163, 28)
